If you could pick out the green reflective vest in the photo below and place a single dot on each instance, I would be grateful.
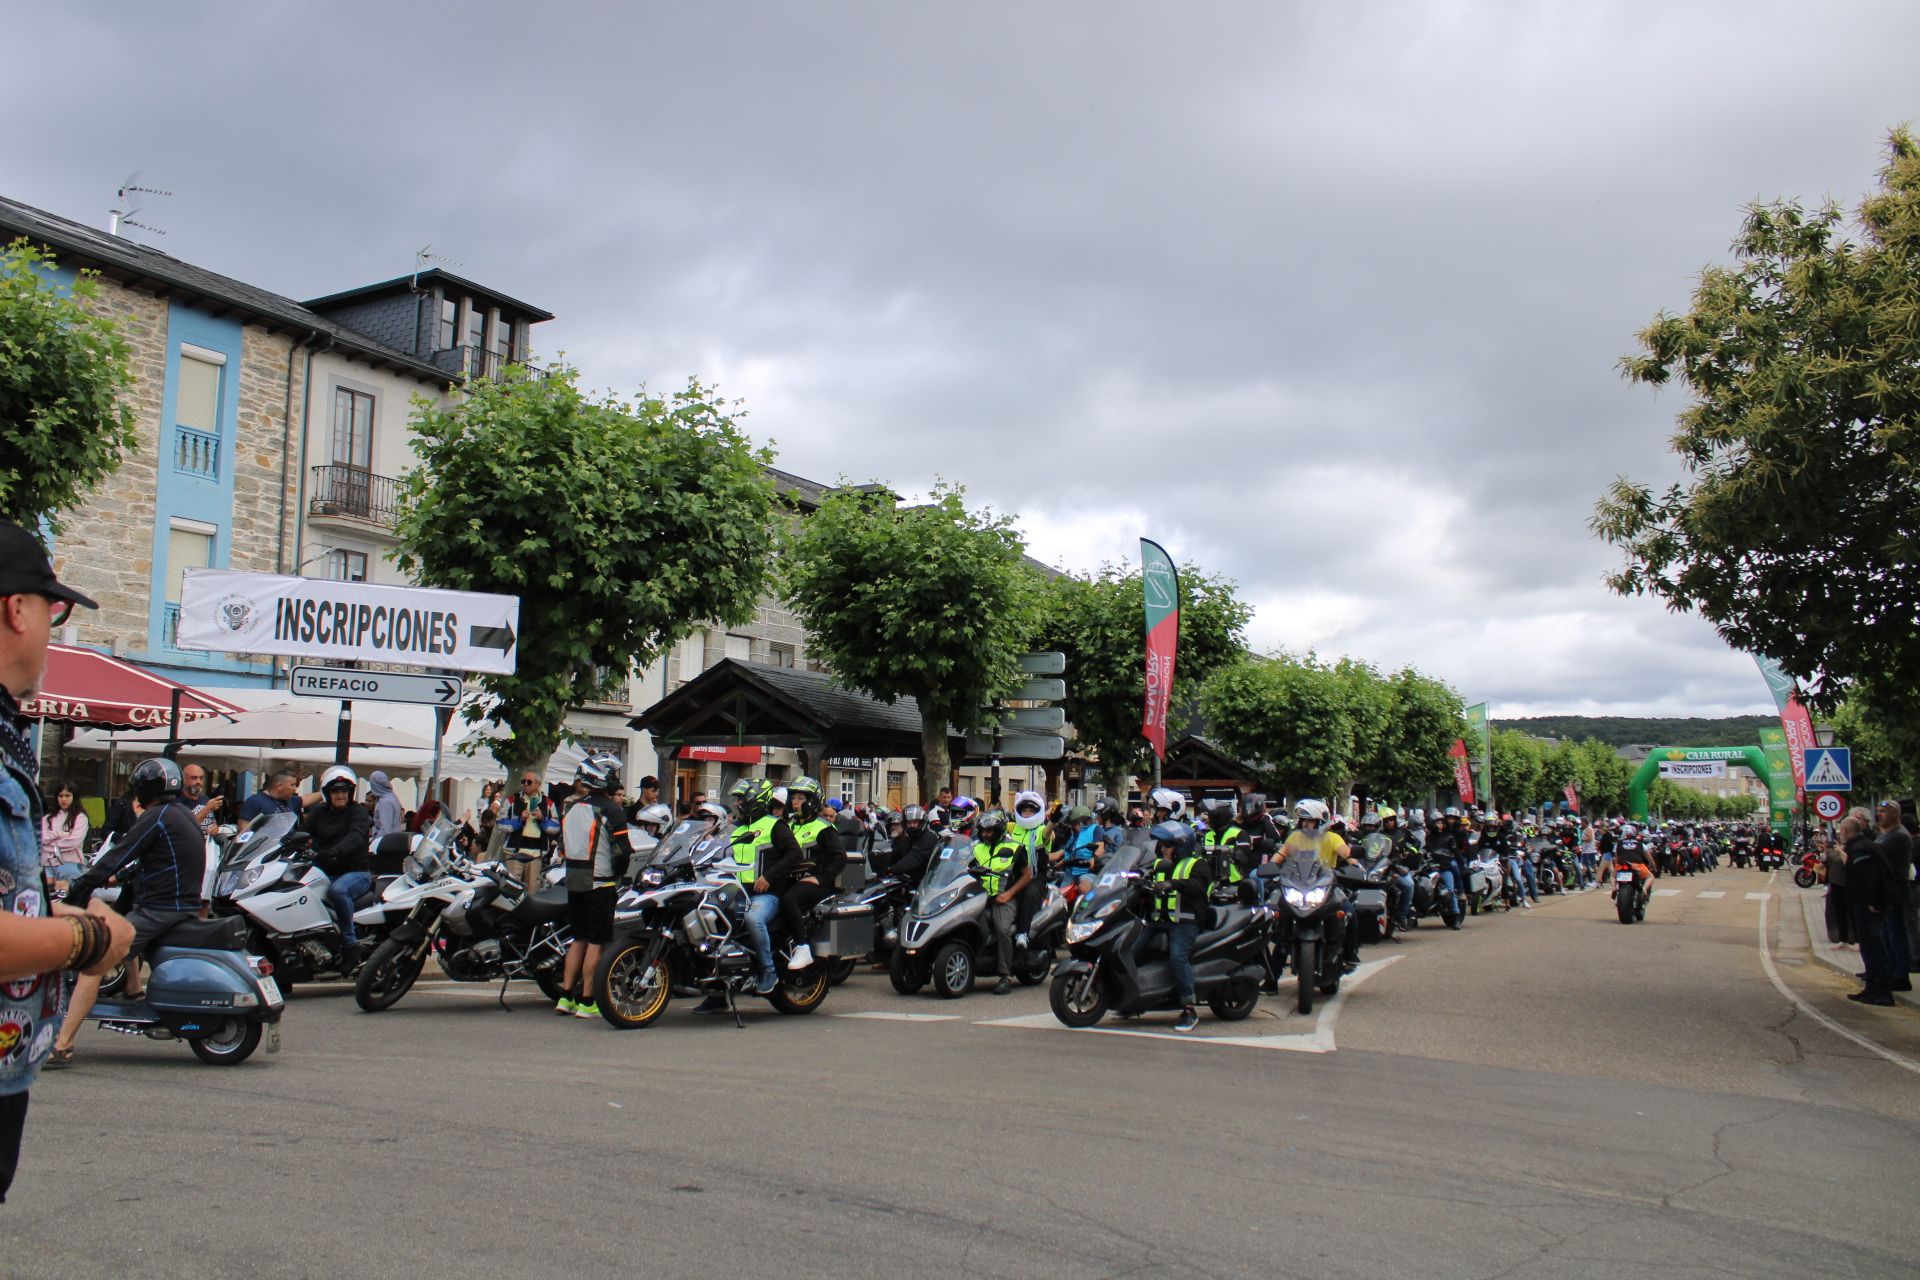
(1166, 903)
(1230, 836)
(750, 845)
(808, 833)
(998, 860)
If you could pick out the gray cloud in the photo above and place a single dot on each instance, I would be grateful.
(1328, 298)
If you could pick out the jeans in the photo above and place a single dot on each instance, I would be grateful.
(1402, 898)
(1875, 954)
(1584, 867)
(760, 914)
(340, 896)
(1450, 887)
(1899, 952)
(1180, 938)
(1521, 869)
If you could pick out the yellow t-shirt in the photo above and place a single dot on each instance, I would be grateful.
(1324, 845)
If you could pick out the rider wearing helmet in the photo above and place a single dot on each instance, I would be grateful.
(161, 864)
(652, 821)
(1000, 862)
(1073, 862)
(1180, 879)
(1629, 853)
(822, 855)
(1168, 806)
(961, 812)
(590, 831)
(342, 832)
(914, 847)
(1228, 844)
(767, 857)
(1310, 835)
(1029, 827)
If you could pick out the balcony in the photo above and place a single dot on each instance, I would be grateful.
(196, 453)
(350, 494)
(478, 362)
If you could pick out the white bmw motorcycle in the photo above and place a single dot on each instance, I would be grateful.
(267, 877)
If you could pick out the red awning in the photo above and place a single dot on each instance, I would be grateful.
(731, 755)
(85, 687)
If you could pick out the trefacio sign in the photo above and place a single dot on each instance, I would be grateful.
(227, 611)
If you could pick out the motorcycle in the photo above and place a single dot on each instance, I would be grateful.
(1740, 853)
(266, 880)
(1486, 883)
(1811, 871)
(1101, 975)
(1770, 858)
(475, 918)
(1629, 896)
(1430, 896)
(1313, 916)
(945, 939)
(681, 930)
(203, 988)
(1366, 881)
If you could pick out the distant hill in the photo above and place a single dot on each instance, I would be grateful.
(1618, 731)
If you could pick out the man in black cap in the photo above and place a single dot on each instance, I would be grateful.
(33, 948)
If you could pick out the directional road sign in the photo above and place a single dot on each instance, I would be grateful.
(1044, 664)
(1020, 746)
(1830, 769)
(1044, 689)
(1828, 805)
(376, 686)
(1038, 719)
(224, 611)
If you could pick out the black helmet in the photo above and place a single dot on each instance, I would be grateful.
(1108, 810)
(991, 825)
(155, 778)
(913, 813)
(1219, 815)
(1252, 806)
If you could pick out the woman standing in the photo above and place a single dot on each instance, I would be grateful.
(63, 833)
(1839, 911)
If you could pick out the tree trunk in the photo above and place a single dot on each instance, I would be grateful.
(935, 761)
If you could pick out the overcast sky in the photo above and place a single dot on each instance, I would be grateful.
(1326, 297)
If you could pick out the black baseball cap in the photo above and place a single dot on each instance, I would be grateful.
(24, 568)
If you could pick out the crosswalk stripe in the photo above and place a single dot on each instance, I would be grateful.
(1758, 897)
(1666, 893)
(1713, 893)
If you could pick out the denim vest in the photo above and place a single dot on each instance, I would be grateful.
(29, 1008)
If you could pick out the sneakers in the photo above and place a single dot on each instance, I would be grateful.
(586, 1009)
(1189, 1019)
(565, 1005)
(1020, 940)
(766, 984)
(802, 957)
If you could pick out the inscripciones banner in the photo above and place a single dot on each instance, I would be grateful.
(264, 613)
(1160, 590)
(1693, 768)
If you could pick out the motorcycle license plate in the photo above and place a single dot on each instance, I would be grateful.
(272, 990)
(1623, 877)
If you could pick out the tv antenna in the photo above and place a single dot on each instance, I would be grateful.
(423, 255)
(128, 195)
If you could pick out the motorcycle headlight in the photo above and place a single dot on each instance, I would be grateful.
(1305, 899)
(1081, 930)
(946, 899)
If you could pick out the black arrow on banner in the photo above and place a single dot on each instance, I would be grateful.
(500, 638)
(449, 692)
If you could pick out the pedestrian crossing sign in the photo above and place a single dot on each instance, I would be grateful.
(1830, 769)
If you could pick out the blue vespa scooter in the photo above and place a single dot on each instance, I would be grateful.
(203, 988)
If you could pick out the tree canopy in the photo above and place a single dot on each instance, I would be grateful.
(932, 602)
(622, 526)
(64, 373)
(1097, 623)
(1796, 535)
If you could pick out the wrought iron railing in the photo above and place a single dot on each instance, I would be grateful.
(196, 453)
(480, 362)
(352, 493)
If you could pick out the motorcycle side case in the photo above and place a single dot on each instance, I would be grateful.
(839, 938)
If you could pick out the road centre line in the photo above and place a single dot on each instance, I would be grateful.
(1773, 975)
(883, 1015)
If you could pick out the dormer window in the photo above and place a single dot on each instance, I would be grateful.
(449, 324)
(476, 327)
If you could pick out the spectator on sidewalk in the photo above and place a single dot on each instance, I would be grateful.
(1870, 890)
(388, 816)
(193, 794)
(1839, 909)
(280, 795)
(63, 834)
(1896, 848)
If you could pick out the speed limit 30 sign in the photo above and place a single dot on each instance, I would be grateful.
(1828, 805)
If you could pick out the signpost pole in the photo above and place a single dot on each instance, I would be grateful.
(442, 718)
(172, 750)
(343, 740)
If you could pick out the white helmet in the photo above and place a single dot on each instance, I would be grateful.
(1025, 801)
(708, 809)
(1172, 801)
(1629, 829)
(339, 775)
(1309, 811)
(780, 797)
(656, 816)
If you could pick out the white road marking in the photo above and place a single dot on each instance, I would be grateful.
(1758, 897)
(1712, 893)
(1319, 1040)
(1666, 893)
(882, 1015)
(1773, 974)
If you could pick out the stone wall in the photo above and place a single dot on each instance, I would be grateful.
(265, 478)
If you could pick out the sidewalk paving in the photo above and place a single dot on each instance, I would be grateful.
(1844, 957)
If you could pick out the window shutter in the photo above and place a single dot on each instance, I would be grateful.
(186, 549)
(196, 400)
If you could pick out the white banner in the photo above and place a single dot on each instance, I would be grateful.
(263, 613)
(1693, 768)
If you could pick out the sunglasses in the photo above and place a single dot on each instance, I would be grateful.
(529, 782)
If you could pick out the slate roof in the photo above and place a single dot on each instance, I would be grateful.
(834, 703)
(140, 267)
(407, 284)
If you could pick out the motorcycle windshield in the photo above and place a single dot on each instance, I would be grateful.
(1302, 871)
(1115, 880)
(251, 848)
(947, 873)
(676, 850)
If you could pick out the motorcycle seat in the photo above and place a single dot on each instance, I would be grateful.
(548, 905)
(366, 900)
(1225, 920)
(222, 933)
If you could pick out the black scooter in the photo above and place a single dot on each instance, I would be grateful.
(1101, 975)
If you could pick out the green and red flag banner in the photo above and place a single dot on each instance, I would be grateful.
(1794, 720)
(1160, 589)
(1462, 771)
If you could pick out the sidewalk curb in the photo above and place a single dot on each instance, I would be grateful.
(1845, 960)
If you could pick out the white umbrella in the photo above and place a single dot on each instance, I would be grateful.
(272, 729)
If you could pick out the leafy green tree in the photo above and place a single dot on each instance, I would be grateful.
(64, 374)
(1886, 755)
(1518, 763)
(933, 602)
(1098, 624)
(1797, 534)
(621, 526)
(1369, 722)
(1603, 778)
(1289, 718)
(1409, 758)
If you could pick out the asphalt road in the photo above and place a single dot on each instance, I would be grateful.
(1547, 1094)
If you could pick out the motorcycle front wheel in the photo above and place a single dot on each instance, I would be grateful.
(907, 977)
(953, 970)
(1803, 878)
(621, 987)
(1306, 964)
(1078, 999)
(388, 974)
(230, 1046)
